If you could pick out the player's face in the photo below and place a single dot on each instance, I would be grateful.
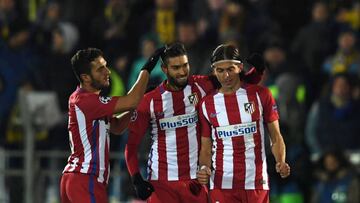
(227, 74)
(177, 71)
(100, 74)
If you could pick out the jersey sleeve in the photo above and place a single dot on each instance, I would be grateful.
(253, 76)
(137, 128)
(269, 105)
(204, 82)
(95, 106)
(204, 123)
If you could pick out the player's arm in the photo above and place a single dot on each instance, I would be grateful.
(120, 122)
(137, 129)
(133, 97)
(278, 149)
(271, 117)
(205, 151)
(255, 74)
(204, 161)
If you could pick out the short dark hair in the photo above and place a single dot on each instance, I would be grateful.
(173, 50)
(225, 52)
(80, 62)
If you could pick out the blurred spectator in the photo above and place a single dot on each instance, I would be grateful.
(289, 90)
(208, 16)
(314, 42)
(148, 46)
(350, 16)
(346, 58)
(334, 120)
(108, 30)
(337, 181)
(197, 50)
(13, 25)
(47, 20)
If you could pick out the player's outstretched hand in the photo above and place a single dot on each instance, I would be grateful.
(257, 61)
(283, 169)
(143, 188)
(203, 175)
(151, 62)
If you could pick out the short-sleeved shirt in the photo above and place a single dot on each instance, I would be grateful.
(89, 126)
(235, 122)
(175, 132)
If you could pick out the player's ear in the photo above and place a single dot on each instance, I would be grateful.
(85, 77)
(164, 68)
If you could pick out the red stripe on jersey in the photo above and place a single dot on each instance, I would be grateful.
(220, 146)
(163, 174)
(233, 112)
(257, 140)
(182, 141)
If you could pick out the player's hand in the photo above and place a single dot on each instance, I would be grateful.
(283, 169)
(153, 59)
(143, 188)
(203, 175)
(257, 61)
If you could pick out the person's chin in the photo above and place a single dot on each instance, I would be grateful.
(182, 83)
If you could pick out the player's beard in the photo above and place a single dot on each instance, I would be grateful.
(96, 84)
(175, 83)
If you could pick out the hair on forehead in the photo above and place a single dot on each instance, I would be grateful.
(225, 53)
(173, 50)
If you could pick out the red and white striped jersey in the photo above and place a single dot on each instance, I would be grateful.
(236, 125)
(89, 126)
(173, 118)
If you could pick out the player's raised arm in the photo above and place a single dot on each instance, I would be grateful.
(133, 97)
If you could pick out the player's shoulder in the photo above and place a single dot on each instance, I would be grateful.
(152, 94)
(199, 79)
(256, 88)
(209, 97)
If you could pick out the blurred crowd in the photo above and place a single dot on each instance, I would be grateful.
(312, 49)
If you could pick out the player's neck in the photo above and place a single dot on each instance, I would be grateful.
(172, 87)
(230, 90)
(89, 88)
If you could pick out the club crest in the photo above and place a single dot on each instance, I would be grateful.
(193, 98)
(249, 107)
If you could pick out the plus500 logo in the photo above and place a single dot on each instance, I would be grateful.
(178, 121)
(236, 130)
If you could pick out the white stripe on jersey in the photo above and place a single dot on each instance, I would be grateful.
(242, 98)
(228, 166)
(193, 142)
(84, 139)
(170, 138)
(102, 141)
(153, 160)
(263, 155)
(73, 165)
(203, 94)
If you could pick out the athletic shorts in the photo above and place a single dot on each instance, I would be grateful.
(178, 192)
(77, 187)
(239, 196)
